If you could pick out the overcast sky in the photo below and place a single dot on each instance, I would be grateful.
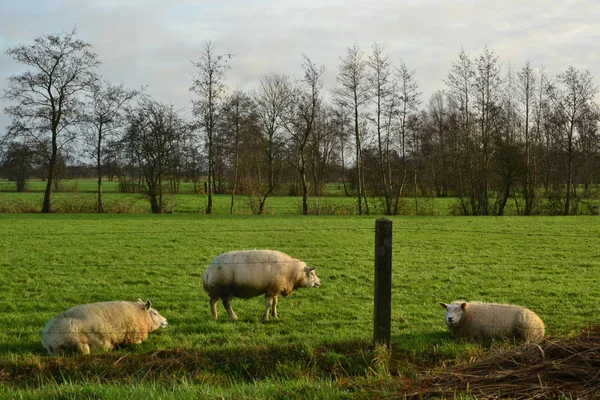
(152, 42)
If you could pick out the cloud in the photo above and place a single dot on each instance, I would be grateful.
(151, 42)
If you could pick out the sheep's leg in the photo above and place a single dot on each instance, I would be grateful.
(213, 307)
(82, 344)
(275, 307)
(83, 348)
(227, 303)
(268, 304)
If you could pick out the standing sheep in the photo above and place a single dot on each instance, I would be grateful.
(250, 273)
(102, 326)
(475, 320)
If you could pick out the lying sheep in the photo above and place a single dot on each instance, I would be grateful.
(480, 321)
(103, 326)
(250, 273)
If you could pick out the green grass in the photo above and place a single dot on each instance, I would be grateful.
(322, 338)
(80, 196)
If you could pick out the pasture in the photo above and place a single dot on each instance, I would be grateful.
(320, 347)
(79, 196)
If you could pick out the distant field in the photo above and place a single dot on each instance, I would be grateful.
(320, 346)
(91, 186)
(79, 196)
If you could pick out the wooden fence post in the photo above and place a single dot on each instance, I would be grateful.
(383, 282)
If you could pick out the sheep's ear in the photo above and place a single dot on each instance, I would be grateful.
(463, 305)
(308, 269)
(148, 304)
(444, 305)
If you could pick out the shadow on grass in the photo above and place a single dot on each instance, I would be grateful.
(337, 360)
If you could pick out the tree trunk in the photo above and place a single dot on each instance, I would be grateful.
(47, 205)
(304, 192)
(209, 186)
(358, 158)
(99, 169)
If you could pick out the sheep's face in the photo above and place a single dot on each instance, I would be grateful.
(158, 321)
(454, 313)
(311, 277)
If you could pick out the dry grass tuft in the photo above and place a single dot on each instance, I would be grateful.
(568, 367)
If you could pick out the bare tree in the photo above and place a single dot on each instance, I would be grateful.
(488, 89)
(352, 91)
(154, 134)
(209, 84)
(541, 132)
(572, 99)
(302, 121)
(239, 118)
(46, 97)
(272, 99)
(526, 82)
(440, 142)
(384, 99)
(341, 121)
(323, 141)
(103, 117)
(16, 163)
(408, 95)
(460, 82)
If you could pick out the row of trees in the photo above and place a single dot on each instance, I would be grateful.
(493, 134)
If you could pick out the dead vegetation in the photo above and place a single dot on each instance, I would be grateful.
(556, 368)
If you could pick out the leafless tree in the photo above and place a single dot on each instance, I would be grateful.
(272, 99)
(526, 83)
(16, 162)
(302, 122)
(488, 91)
(460, 82)
(323, 141)
(102, 118)
(408, 95)
(46, 98)
(573, 114)
(440, 143)
(238, 123)
(385, 102)
(352, 90)
(210, 86)
(341, 121)
(153, 137)
(541, 114)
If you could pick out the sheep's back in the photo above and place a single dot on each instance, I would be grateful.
(114, 319)
(493, 320)
(250, 272)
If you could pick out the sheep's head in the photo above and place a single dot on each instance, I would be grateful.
(454, 313)
(158, 321)
(312, 280)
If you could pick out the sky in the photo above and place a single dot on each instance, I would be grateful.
(153, 42)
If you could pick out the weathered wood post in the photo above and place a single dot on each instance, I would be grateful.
(383, 282)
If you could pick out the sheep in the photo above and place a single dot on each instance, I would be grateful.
(101, 326)
(480, 321)
(251, 273)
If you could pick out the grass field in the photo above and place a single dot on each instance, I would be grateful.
(79, 196)
(320, 345)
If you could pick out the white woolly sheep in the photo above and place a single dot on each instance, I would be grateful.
(101, 326)
(481, 321)
(251, 273)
